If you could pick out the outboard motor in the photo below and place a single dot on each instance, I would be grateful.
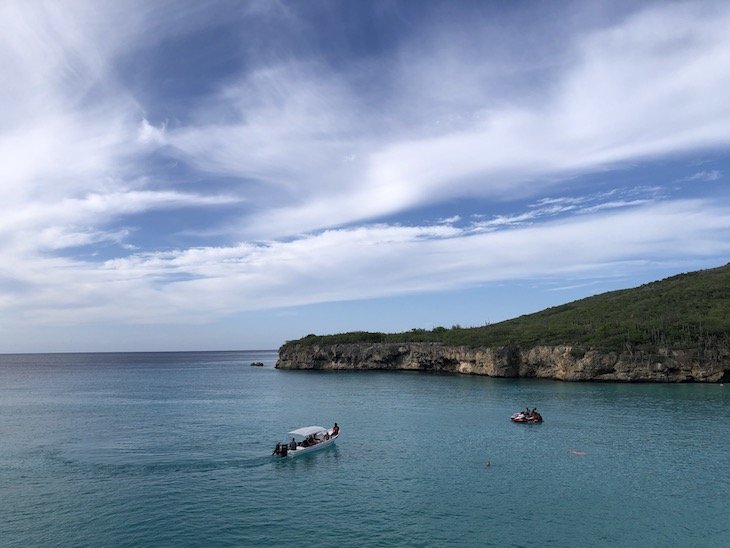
(283, 449)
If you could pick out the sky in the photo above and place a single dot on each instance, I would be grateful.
(194, 175)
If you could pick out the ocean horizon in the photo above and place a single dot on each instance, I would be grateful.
(174, 448)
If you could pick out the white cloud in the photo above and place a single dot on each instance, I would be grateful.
(150, 134)
(319, 153)
(705, 176)
(651, 85)
(77, 221)
(200, 284)
(571, 205)
(68, 131)
(72, 138)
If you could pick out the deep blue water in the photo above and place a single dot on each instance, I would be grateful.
(173, 449)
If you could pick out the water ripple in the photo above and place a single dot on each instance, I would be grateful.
(161, 453)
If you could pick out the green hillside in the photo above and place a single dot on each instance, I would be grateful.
(685, 311)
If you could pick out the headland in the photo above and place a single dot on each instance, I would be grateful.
(673, 330)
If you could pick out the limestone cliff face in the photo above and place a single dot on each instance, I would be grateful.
(564, 363)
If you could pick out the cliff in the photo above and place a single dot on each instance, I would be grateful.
(566, 363)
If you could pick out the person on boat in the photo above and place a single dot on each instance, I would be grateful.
(293, 444)
(335, 429)
(326, 436)
(277, 449)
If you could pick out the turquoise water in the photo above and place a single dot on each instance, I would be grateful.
(174, 450)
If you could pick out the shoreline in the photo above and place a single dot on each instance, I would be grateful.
(563, 363)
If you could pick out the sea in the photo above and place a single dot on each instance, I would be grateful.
(175, 449)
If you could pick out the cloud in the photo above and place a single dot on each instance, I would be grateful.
(150, 134)
(201, 284)
(310, 147)
(704, 176)
(74, 146)
(571, 205)
(290, 121)
(68, 131)
(650, 85)
(77, 221)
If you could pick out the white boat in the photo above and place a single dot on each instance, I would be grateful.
(311, 438)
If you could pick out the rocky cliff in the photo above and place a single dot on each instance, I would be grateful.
(566, 363)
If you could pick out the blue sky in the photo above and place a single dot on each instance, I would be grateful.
(231, 175)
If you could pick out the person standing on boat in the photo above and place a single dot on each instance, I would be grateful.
(293, 444)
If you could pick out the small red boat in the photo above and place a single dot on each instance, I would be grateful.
(532, 417)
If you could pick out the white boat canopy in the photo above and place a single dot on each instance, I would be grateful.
(308, 431)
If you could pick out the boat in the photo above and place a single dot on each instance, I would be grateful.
(257, 364)
(310, 439)
(533, 417)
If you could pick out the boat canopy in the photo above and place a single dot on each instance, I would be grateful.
(308, 431)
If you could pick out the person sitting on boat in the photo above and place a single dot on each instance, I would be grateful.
(326, 436)
(293, 444)
(335, 429)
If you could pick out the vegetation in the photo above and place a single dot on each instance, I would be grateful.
(688, 311)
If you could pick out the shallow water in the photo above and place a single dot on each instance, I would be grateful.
(174, 449)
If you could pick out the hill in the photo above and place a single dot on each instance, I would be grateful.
(685, 312)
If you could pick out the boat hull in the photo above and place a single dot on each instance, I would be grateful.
(525, 419)
(283, 450)
(299, 451)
